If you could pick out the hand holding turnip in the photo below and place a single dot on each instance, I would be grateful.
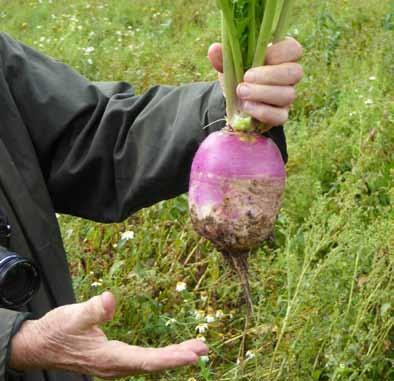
(271, 87)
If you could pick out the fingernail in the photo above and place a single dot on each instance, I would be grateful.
(248, 106)
(250, 76)
(243, 91)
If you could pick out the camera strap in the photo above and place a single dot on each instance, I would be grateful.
(5, 230)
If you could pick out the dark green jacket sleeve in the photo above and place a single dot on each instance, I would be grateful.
(10, 322)
(104, 151)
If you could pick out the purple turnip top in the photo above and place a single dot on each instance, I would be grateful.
(236, 188)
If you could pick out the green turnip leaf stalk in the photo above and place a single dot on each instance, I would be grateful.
(248, 27)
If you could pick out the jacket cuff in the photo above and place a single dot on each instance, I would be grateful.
(216, 109)
(10, 323)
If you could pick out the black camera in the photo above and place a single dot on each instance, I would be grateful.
(19, 277)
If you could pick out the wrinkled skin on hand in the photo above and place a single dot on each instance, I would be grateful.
(69, 338)
(268, 91)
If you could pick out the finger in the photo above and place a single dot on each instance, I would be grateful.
(155, 360)
(215, 55)
(269, 115)
(109, 304)
(273, 95)
(285, 74)
(288, 50)
(133, 360)
(97, 310)
(196, 346)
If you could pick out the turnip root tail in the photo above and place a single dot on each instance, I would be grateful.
(239, 263)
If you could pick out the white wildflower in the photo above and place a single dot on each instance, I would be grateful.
(89, 49)
(181, 286)
(372, 78)
(204, 359)
(250, 355)
(210, 318)
(170, 322)
(90, 61)
(199, 314)
(202, 328)
(369, 102)
(127, 235)
(219, 314)
(96, 284)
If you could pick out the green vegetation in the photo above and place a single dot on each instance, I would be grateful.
(323, 291)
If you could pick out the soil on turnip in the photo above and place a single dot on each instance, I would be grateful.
(256, 204)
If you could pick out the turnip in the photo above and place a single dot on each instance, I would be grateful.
(238, 175)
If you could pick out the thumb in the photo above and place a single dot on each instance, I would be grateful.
(215, 56)
(96, 311)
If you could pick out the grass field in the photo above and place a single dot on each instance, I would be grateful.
(323, 291)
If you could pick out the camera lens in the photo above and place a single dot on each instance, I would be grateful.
(17, 284)
(19, 280)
